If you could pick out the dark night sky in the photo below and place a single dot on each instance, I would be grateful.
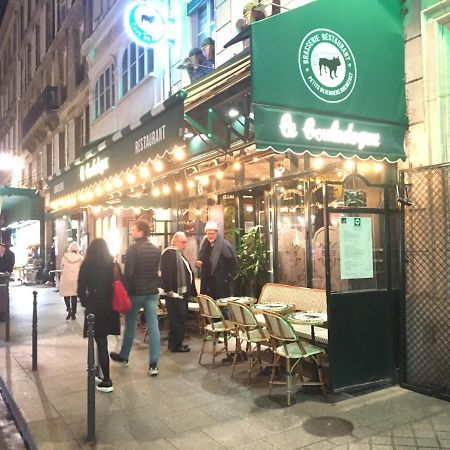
(3, 4)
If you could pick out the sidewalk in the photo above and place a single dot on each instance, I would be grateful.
(188, 405)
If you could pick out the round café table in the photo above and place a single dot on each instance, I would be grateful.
(308, 318)
(247, 301)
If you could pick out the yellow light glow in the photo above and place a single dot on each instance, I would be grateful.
(219, 174)
(156, 192)
(118, 182)
(179, 154)
(349, 165)
(158, 166)
(191, 184)
(204, 181)
(255, 159)
(166, 189)
(136, 211)
(237, 165)
(82, 198)
(339, 173)
(318, 163)
(108, 187)
(98, 191)
(144, 172)
(378, 167)
(178, 187)
(89, 196)
(131, 178)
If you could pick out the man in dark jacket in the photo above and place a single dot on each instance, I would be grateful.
(7, 258)
(141, 279)
(178, 284)
(217, 260)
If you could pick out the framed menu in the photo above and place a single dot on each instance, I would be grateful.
(356, 249)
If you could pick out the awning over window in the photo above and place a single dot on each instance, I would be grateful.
(154, 135)
(328, 77)
(18, 204)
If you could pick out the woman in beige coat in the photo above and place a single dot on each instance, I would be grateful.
(68, 283)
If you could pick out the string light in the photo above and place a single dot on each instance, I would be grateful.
(178, 187)
(158, 166)
(166, 189)
(131, 178)
(318, 163)
(237, 165)
(204, 181)
(144, 172)
(118, 183)
(156, 192)
(179, 154)
(349, 165)
(98, 191)
(89, 196)
(220, 174)
(108, 186)
(378, 167)
(191, 184)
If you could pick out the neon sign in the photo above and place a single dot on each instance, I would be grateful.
(145, 24)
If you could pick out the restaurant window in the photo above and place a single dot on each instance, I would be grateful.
(137, 63)
(104, 95)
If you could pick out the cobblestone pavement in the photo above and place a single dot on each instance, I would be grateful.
(192, 406)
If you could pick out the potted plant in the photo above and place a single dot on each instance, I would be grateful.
(252, 261)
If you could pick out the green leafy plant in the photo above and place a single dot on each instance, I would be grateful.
(253, 264)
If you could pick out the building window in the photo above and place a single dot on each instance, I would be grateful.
(137, 63)
(203, 25)
(62, 150)
(104, 96)
(49, 159)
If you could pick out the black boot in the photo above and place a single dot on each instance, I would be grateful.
(67, 302)
(74, 307)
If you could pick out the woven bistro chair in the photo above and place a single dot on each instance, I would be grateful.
(214, 325)
(249, 331)
(286, 344)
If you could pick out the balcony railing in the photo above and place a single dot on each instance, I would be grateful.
(49, 100)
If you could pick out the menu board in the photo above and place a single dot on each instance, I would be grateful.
(356, 249)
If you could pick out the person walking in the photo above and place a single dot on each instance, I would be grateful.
(217, 259)
(68, 282)
(178, 284)
(141, 280)
(7, 258)
(95, 290)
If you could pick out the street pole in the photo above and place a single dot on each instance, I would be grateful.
(90, 379)
(34, 333)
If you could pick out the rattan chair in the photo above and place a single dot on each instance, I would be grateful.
(286, 344)
(214, 325)
(247, 330)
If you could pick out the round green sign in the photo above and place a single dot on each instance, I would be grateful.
(327, 65)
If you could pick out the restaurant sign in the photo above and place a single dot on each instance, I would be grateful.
(302, 131)
(336, 85)
(155, 136)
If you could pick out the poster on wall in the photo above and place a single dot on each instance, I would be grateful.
(356, 249)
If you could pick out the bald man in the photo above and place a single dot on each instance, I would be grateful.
(178, 284)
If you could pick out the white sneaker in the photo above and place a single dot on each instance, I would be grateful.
(153, 371)
(105, 386)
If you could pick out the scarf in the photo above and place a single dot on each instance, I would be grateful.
(220, 248)
(181, 271)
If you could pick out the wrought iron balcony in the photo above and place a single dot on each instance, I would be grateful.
(49, 100)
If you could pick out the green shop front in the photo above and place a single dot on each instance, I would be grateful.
(328, 97)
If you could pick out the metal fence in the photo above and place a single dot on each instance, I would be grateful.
(427, 276)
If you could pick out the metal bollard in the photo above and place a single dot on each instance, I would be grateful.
(34, 333)
(91, 379)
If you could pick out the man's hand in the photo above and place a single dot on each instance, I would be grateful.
(198, 263)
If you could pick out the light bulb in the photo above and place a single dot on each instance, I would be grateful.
(178, 187)
(179, 154)
(144, 172)
(118, 182)
(166, 189)
(131, 178)
(191, 184)
(158, 166)
(237, 165)
(156, 192)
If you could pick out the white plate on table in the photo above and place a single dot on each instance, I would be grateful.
(309, 317)
(274, 306)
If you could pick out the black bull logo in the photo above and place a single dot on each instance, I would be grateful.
(332, 65)
(148, 19)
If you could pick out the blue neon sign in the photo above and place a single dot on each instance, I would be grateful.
(144, 23)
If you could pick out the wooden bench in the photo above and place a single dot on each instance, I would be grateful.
(303, 299)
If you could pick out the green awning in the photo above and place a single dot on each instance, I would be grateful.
(17, 204)
(328, 77)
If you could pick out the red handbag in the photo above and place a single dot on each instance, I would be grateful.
(121, 303)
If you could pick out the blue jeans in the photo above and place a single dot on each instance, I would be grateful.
(150, 304)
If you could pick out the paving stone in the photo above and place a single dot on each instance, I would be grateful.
(421, 442)
(291, 439)
(445, 443)
(384, 440)
(256, 445)
(187, 420)
(322, 445)
(404, 441)
(191, 440)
